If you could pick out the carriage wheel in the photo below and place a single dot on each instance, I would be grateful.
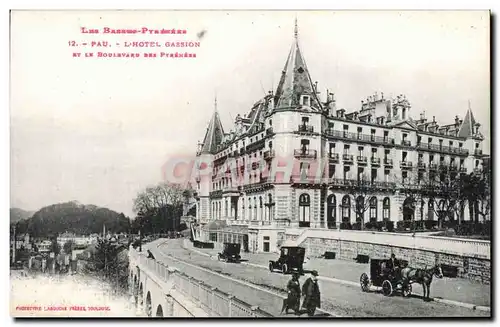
(364, 282)
(285, 269)
(387, 288)
(271, 267)
(407, 290)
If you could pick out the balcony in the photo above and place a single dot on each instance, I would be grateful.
(269, 155)
(388, 162)
(334, 157)
(338, 182)
(406, 164)
(347, 158)
(215, 194)
(405, 143)
(462, 169)
(302, 178)
(478, 152)
(363, 138)
(269, 131)
(375, 161)
(362, 160)
(453, 167)
(477, 170)
(433, 166)
(443, 166)
(421, 165)
(305, 153)
(441, 148)
(305, 128)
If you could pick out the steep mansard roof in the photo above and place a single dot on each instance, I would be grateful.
(214, 135)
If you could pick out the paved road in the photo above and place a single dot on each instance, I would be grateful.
(341, 299)
(260, 296)
(455, 289)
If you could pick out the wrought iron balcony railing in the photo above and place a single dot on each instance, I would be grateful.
(305, 153)
(306, 128)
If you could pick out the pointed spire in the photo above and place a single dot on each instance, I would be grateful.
(467, 127)
(215, 133)
(295, 80)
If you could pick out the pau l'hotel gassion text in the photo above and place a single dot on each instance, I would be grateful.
(171, 44)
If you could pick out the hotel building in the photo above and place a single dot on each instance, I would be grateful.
(332, 151)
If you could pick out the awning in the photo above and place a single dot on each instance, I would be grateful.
(215, 225)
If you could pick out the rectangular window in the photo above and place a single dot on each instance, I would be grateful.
(306, 100)
(405, 154)
(331, 171)
(332, 148)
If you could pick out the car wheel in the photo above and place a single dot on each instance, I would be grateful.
(271, 267)
(285, 269)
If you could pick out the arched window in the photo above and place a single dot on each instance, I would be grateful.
(386, 209)
(261, 210)
(304, 210)
(346, 209)
(331, 211)
(249, 217)
(254, 208)
(373, 209)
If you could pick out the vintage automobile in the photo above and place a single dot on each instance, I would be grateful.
(291, 259)
(230, 252)
(380, 277)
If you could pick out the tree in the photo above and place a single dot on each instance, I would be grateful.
(108, 262)
(361, 191)
(447, 194)
(159, 208)
(55, 247)
(69, 246)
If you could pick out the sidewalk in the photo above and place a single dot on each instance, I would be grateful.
(454, 289)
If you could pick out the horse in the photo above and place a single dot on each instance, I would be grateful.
(421, 276)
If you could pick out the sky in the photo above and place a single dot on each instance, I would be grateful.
(98, 130)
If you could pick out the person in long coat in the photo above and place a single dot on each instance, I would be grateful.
(293, 300)
(312, 294)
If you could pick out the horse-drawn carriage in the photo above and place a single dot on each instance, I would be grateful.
(382, 277)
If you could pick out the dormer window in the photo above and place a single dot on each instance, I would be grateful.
(305, 100)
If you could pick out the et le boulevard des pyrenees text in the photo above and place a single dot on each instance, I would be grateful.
(119, 49)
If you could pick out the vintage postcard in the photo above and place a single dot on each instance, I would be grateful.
(258, 164)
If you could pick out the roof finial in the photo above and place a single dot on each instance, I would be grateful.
(215, 102)
(296, 31)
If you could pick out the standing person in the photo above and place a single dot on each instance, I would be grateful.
(310, 290)
(293, 300)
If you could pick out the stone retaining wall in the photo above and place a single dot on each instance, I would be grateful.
(468, 267)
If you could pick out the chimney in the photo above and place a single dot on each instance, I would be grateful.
(433, 119)
(457, 120)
